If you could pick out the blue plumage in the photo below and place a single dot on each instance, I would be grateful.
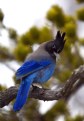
(38, 68)
(23, 93)
(30, 67)
(35, 72)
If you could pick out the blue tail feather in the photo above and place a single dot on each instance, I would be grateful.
(22, 93)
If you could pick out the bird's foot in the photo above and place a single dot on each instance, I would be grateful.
(36, 85)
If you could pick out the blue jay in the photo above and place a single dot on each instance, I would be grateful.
(38, 67)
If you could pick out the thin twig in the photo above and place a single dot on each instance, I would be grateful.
(8, 66)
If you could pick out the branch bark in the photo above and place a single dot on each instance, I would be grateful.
(71, 86)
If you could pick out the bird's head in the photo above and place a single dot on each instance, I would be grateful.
(57, 45)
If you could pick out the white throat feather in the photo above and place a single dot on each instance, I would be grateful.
(57, 56)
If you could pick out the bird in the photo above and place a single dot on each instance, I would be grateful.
(38, 67)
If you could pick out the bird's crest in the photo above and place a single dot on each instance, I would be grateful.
(59, 41)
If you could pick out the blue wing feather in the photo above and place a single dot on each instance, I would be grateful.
(31, 66)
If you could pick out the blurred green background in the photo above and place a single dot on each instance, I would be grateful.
(71, 58)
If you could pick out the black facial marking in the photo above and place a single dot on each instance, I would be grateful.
(57, 44)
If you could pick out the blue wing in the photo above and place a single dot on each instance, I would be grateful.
(31, 66)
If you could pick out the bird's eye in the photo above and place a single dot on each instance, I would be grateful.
(53, 47)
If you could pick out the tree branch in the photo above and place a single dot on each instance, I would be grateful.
(71, 85)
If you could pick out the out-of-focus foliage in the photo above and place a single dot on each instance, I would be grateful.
(80, 14)
(3, 50)
(21, 52)
(56, 15)
(81, 41)
(1, 16)
(25, 42)
(70, 29)
(12, 34)
(45, 34)
(77, 118)
(70, 59)
(8, 116)
(80, 1)
(36, 35)
(69, 19)
(2, 87)
(57, 110)
(32, 105)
